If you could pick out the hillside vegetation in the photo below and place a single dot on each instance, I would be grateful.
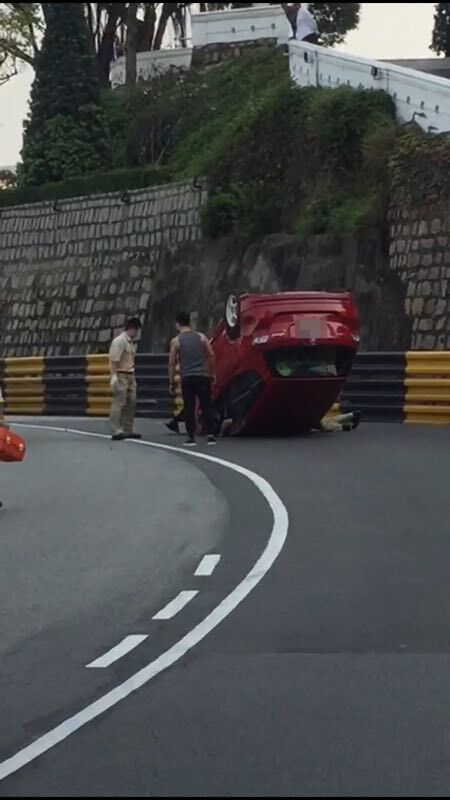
(276, 157)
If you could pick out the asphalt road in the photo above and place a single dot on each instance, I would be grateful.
(330, 679)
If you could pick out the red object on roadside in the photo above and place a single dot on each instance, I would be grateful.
(12, 446)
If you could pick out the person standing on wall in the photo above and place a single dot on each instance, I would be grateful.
(123, 382)
(303, 23)
(197, 368)
(291, 11)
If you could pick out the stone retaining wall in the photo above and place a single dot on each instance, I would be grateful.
(71, 270)
(420, 253)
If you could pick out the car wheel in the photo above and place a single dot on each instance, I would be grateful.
(232, 316)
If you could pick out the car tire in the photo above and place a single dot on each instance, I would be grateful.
(232, 316)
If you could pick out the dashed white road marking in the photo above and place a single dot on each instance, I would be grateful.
(120, 650)
(266, 560)
(207, 566)
(171, 609)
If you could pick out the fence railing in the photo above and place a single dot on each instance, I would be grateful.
(418, 96)
(387, 387)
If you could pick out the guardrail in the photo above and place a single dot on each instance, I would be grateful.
(428, 388)
(79, 386)
(417, 96)
(376, 386)
(411, 387)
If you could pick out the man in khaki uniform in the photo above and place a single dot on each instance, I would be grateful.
(123, 382)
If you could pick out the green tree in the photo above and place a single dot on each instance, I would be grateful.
(65, 134)
(8, 179)
(20, 24)
(441, 31)
(335, 20)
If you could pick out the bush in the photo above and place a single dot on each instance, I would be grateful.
(65, 147)
(96, 183)
(278, 158)
(421, 160)
(143, 124)
(220, 214)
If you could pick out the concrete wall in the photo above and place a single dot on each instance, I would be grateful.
(433, 66)
(215, 35)
(230, 26)
(151, 63)
(424, 98)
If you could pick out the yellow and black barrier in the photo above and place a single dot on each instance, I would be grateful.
(98, 390)
(428, 388)
(409, 387)
(78, 386)
(23, 385)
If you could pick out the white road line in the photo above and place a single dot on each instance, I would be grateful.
(266, 560)
(120, 650)
(207, 566)
(171, 609)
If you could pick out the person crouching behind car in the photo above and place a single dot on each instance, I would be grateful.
(340, 422)
(195, 356)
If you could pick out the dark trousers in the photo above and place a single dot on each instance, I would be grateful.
(312, 38)
(197, 388)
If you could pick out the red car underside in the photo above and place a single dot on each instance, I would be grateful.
(282, 364)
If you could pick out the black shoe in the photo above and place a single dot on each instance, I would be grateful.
(118, 437)
(1, 505)
(173, 426)
(211, 440)
(135, 436)
(357, 416)
(190, 442)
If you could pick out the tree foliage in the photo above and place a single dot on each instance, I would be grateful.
(335, 20)
(8, 179)
(65, 134)
(441, 31)
(20, 25)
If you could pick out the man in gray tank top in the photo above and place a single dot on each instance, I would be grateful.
(195, 356)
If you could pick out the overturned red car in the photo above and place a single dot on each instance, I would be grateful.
(282, 359)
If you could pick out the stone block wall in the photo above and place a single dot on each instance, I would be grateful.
(420, 254)
(71, 270)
